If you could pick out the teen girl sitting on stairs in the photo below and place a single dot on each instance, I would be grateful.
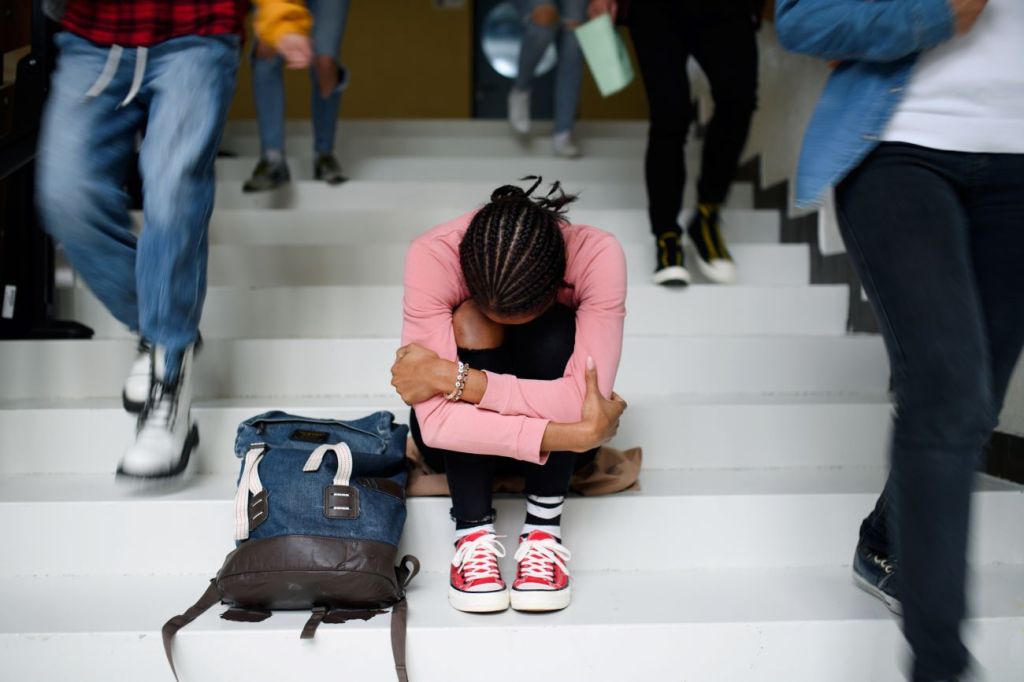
(513, 330)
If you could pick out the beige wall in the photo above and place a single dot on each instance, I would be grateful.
(411, 60)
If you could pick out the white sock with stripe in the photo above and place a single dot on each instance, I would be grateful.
(544, 514)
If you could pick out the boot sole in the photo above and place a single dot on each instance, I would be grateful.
(130, 406)
(539, 601)
(191, 443)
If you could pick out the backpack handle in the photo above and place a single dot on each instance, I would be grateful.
(249, 483)
(345, 463)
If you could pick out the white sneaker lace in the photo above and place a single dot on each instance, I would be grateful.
(538, 558)
(478, 559)
(885, 564)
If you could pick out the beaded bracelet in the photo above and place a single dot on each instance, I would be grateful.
(460, 383)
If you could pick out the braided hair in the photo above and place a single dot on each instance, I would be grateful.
(513, 254)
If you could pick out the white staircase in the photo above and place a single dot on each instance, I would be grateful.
(763, 424)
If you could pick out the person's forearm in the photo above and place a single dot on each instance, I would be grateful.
(566, 438)
(444, 381)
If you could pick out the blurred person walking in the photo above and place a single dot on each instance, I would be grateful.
(545, 21)
(168, 69)
(328, 78)
(721, 36)
(921, 132)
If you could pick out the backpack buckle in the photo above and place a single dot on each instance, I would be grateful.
(341, 502)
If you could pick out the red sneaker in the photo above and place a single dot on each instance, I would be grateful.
(476, 584)
(542, 577)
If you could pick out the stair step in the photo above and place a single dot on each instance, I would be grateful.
(455, 196)
(370, 311)
(499, 170)
(721, 518)
(720, 625)
(342, 225)
(472, 128)
(675, 431)
(383, 264)
(360, 367)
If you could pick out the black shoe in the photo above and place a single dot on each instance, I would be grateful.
(713, 258)
(670, 271)
(267, 175)
(326, 168)
(877, 575)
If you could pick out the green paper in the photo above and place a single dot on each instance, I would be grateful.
(606, 55)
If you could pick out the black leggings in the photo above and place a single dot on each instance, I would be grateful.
(721, 37)
(537, 350)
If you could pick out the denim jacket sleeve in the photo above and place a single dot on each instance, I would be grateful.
(863, 30)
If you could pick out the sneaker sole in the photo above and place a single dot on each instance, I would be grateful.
(191, 443)
(890, 602)
(537, 601)
(478, 602)
(709, 271)
(672, 276)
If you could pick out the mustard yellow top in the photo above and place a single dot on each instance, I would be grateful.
(276, 18)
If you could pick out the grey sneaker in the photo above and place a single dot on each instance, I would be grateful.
(877, 575)
(267, 175)
(327, 169)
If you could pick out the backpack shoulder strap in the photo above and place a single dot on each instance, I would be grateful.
(406, 570)
(399, 618)
(171, 627)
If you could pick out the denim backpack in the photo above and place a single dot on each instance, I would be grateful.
(318, 516)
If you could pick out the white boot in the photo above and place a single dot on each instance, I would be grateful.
(519, 110)
(165, 436)
(564, 146)
(136, 386)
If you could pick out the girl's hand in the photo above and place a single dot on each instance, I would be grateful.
(415, 374)
(297, 50)
(600, 416)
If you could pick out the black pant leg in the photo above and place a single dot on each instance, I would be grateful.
(470, 476)
(909, 200)
(541, 350)
(725, 46)
(662, 51)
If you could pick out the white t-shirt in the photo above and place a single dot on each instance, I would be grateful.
(967, 95)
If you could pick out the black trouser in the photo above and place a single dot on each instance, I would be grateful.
(938, 241)
(537, 350)
(722, 39)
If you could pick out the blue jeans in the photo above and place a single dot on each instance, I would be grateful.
(155, 284)
(569, 73)
(268, 83)
(937, 239)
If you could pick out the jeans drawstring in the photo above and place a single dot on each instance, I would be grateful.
(110, 69)
(107, 74)
(140, 71)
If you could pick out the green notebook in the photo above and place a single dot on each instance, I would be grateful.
(606, 55)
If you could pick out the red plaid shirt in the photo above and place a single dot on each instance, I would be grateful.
(143, 23)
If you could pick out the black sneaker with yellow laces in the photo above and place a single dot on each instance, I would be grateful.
(713, 258)
(669, 270)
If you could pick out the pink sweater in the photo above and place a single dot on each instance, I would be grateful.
(511, 418)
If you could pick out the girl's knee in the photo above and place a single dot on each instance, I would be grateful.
(325, 69)
(474, 330)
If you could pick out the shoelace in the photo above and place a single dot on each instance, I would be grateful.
(538, 558)
(885, 564)
(478, 559)
(160, 412)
